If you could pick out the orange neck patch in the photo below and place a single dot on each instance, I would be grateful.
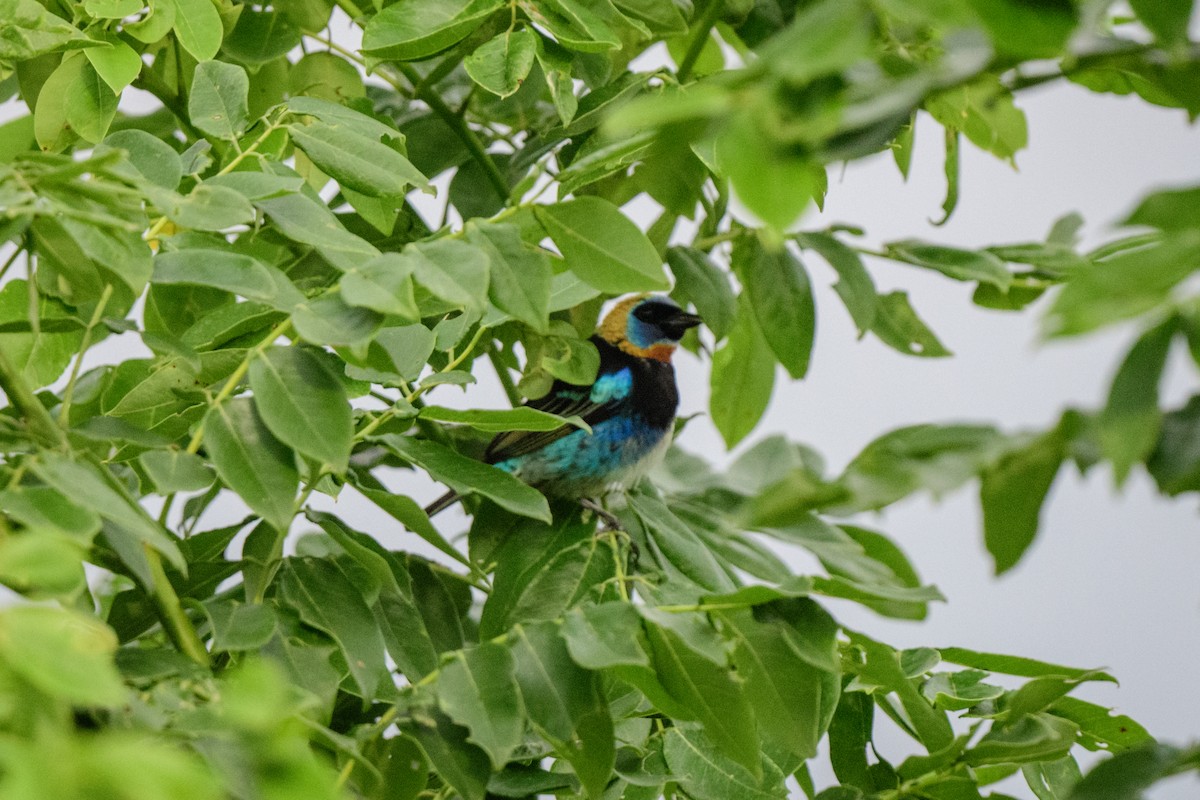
(659, 352)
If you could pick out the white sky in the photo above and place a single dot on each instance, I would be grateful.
(1112, 579)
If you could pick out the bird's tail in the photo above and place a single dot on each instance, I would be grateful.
(442, 503)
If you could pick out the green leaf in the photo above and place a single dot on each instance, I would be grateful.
(700, 282)
(478, 690)
(40, 356)
(781, 296)
(35, 31)
(499, 420)
(786, 651)
(45, 507)
(96, 489)
(825, 38)
(956, 691)
(1169, 210)
(578, 26)
(326, 599)
(602, 246)
(1011, 493)
(328, 319)
(707, 773)
(407, 348)
(357, 162)
(157, 23)
(1130, 421)
(238, 627)
(565, 703)
(418, 29)
(198, 27)
(854, 285)
(542, 572)
(118, 64)
(742, 377)
(605, 635)
(455, 271)
(304, 404)
(217, 102)
(938, 458)
(951, 166)
(520, 276)
(260, 37)
(399, 613)
(207, 208)
(882, 667)
(1175, 462)
(251, 461)
(662, 17)
(1034, 737)
(467, 476)
(899, 327)
(383, 284)
(775, 183)
(1127, 774)
(502, 64)
(1099, 727)
(1130, 283)
(1166, 19)
(233, 272)
(1015, 665)
(850, 733)
(690, 568)
(961, 265)
(64, 654)
(985, 112)
(1021, 31)
(75, 101)
(176, 471)
(461, 764)
(710, 692)
(43, 564)
(326, 76)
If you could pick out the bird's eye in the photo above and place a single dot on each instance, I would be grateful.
(653, 312)
(646, 313)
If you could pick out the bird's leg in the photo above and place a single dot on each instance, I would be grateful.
(611, 523)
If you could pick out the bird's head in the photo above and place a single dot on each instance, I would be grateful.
(647, 325)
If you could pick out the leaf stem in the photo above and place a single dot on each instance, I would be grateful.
(709, 242)
(65, 410)
(506, 381)
(10, 261)
(163, 221)
(179, 628)
(456, 123)
(41, 425)
(236, 377)
(699, 38)
(618, 565)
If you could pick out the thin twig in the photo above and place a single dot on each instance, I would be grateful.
(699, 39)
(65, 410)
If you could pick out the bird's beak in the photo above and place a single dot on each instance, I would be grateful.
(677, 325)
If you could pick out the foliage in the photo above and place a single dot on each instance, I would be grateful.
(257, 233)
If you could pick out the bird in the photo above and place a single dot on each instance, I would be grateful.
(630, 408)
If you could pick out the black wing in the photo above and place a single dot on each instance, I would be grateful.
(565, 400)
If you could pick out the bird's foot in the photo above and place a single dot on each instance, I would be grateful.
(611, 523)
